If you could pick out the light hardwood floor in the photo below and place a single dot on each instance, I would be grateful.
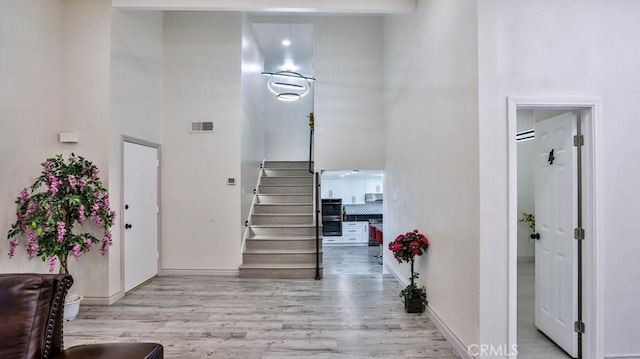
(354, 312)
(532, 343)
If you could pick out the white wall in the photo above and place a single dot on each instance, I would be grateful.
(86, 31)
(136, 93)
(55, 67)
(287, 127)
(30, 105)
(201, 82)
(252, 127)
(569, 49)
(431, 163)
(349, 107)
(526, 184)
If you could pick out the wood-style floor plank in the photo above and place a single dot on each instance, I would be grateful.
(354, 312)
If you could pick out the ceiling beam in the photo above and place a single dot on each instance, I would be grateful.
(303, 6)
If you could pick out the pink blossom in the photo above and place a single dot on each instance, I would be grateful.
(32, 243)
(87, 243)
(414, 244)
(24, 196)
(105, 200)
(77, 250)
(96, 218)
(106, 242)
(53, 183)
(112, 215)
(72, 181)
(12, 248)
(48, 165)
(416, 251)
(51, 262)
(62, 231)
(82, 183)
(31, 208)
(82, 216)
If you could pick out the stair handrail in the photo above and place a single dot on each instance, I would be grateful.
(247, 223)
(318, 218)
(311, 130)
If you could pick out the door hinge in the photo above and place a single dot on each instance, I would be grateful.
(578, 326)
(578, 140)
(578, 233)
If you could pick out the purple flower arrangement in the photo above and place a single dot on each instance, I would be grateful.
(74, 195)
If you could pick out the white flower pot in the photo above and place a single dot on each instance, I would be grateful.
(72, 307)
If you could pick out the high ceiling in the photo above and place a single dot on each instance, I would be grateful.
(297, 56)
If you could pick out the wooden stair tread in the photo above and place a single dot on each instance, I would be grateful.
(281, 251)
(281, 238)
(283, 225)
(285, 204)
(310, 265)
(283, 214)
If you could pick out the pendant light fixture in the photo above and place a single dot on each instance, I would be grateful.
(287, 84)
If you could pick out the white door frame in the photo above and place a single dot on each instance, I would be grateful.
(593, 273)
(141, 142)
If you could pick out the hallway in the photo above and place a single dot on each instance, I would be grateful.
(346, 315)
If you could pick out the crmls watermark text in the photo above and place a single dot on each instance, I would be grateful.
(492, 350)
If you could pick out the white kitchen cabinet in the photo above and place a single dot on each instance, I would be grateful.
(331, 189)
(354, 232)
(374, 185)
(331, 239)
(353, 191)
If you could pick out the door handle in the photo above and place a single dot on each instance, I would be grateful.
(128, 226)
(535, 236)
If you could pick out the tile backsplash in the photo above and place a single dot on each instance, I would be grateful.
(367, 208)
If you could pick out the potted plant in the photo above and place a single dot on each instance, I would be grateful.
(46, 218)
(405, 247)
(530, 220)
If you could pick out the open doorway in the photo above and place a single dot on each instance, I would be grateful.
(552, 178)
(352, 221)
(546, 188)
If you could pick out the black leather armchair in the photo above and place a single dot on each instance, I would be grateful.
(31, 310)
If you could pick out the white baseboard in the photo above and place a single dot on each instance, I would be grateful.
(451, 337)
(623, 356)
(391, 268)
(212, 272)
(103, 300)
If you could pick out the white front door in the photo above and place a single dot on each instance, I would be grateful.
(140, 214)
(555, 206)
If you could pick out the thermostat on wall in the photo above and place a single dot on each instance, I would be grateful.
(68, 137)
(231, 181)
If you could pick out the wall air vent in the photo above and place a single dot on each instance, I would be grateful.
(525, 135)
(201, 127)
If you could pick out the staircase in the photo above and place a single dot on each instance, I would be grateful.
(281, 241)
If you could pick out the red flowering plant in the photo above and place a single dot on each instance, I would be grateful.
(405, 248)
(74, 195)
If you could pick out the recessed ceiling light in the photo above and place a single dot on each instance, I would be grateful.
(286, 42)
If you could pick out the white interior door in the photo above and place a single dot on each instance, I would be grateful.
(140, 214)
(555, 258)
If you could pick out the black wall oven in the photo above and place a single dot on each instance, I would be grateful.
(332, 217)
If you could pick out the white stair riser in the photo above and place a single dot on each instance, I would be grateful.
(280, 258)
(282, 219)
(274, 208)
(287, 164)
(275, 199)
(275, 244)
(270, 181)
(286, 190)
(281, 172)
(279, 273)
(284, 231)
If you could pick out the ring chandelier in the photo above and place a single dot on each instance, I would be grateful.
(288, 85)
